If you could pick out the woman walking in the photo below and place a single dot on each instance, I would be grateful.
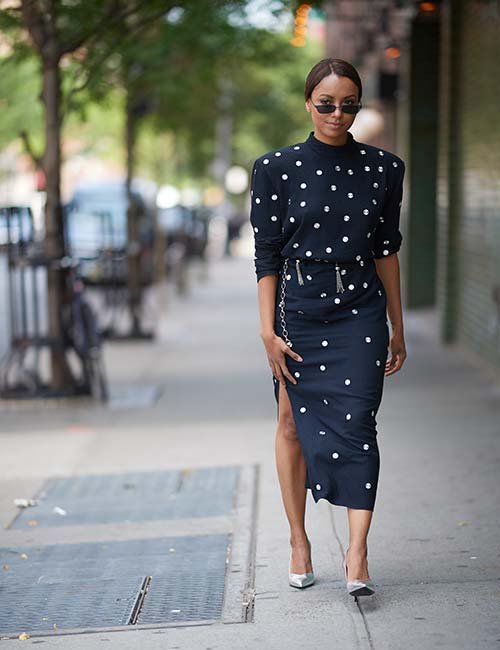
(325, 215)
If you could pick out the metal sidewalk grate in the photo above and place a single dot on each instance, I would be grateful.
(135, 497)
(97, 585)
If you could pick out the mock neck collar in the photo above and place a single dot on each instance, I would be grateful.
(325, 149)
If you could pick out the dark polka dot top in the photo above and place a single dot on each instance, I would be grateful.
(321, 201)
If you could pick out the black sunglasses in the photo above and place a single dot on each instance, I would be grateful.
(345, 108)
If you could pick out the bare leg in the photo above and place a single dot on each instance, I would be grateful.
(292, 475)
(357, 562)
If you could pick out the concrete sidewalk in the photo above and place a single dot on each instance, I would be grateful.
(433, 544)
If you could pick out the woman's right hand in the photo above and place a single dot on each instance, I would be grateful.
(276, 350)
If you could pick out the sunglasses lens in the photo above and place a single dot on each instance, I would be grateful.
(350, 108)
(325, 108)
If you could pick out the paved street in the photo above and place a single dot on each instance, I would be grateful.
(433, 544)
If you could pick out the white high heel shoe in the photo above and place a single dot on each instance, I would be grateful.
(358, 587)
(300, 580)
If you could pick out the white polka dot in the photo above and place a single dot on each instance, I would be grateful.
(365, 285)
(349, 171)
(385, 251)
(369, 234)
(368, 485)
(297, 374)
(325, 400)
(266, 161)
(322, 433)
(323, 295)
(303, 409)
(319, 172)
(350, 195)
(345, 238)
(309, 277)
(336, 301)
(284, 176)
(367, 168)
(366, 211)
(337, 168)
(348, 416)
(362, 151)
(377, 362)
(318, 486)
(373, 412)
(278, 153)
(322, 368)
(317, 225)
(351, 287)
(395, 164)
(354, 311)
(289, 277)
(333, 187)
(380, 153)
(368, 339)
(292, 219)
(256, 229)
(335, 454)
(328, 249)
(296, 245)
(298, 163)
(308, 253)
(374, 201)
(346, 217)
(324, 343)
(303, 186)
(302, 204)
(365, 446)
(326, 208)
(380, 168)
(274, 218)
(257, 200)
(347, 381)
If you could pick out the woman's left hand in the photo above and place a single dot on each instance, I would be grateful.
(398, 353)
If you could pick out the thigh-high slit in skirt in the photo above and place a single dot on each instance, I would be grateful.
(336, 320)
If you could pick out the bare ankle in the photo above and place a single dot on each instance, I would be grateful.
(358, 550)
(299, 539)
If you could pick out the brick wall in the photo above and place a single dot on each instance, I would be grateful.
(468, 197)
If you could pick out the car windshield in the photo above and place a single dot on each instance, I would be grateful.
(18, 227)
(97, 222)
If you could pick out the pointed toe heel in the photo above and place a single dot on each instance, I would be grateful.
(358, 587)
(300, 580)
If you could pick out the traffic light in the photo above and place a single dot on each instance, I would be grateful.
(300, 25)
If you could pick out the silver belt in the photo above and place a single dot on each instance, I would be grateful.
(340, 286)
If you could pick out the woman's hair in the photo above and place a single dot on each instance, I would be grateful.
(325, 67)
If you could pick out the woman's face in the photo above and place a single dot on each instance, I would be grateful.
(332, 89)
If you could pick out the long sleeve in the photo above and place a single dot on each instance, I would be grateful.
(388, 237)
(266, 220)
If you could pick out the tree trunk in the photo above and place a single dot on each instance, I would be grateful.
(134, 246)
(54, 227)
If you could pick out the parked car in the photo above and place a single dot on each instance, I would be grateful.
(186, 231)
(96, 229)
(16, 225)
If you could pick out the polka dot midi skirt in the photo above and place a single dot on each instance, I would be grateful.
(335, 319)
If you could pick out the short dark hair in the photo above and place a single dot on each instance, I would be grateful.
(326, 67)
